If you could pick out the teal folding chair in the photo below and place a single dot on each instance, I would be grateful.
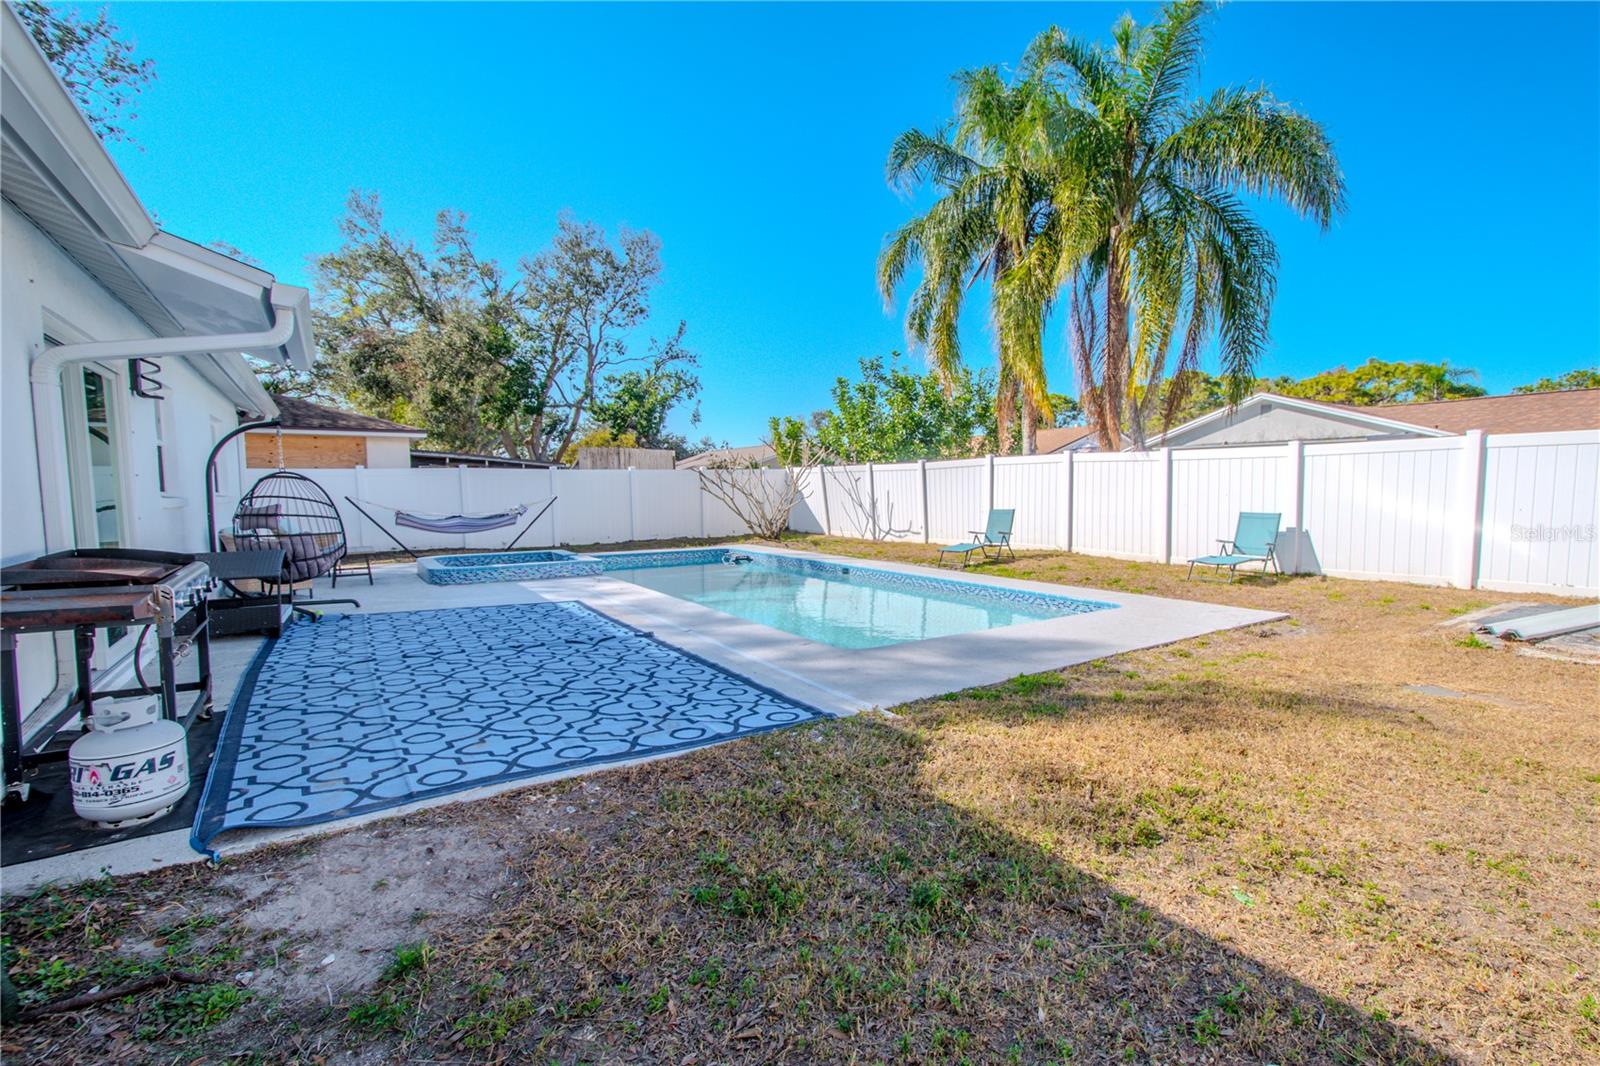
(996, 537)
(1255, 540)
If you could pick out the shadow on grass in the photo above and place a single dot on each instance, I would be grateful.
(803, 897)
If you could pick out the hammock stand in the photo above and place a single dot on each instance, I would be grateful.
(454, 523)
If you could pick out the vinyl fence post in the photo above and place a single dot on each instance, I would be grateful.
(461, 495)
(555, 510)
(1166, 505)
(633, 510)
(360, 521)
(1468, 540)
(990, 505)
(922, 486)
(872, 503)
(827, 517)
(1064, 511)
(1294, 495)
(700, 494)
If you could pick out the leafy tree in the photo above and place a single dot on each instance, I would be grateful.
(89, 55)
(1377, 381)
(605, 437)
(791, 439)
(1189, 394)
(444, 340)
(993, 179)
(636, 403)
(1146, 228)
(1066, 411)
(581, 300)
(894, 414)
(421, 337)
(1572, 379)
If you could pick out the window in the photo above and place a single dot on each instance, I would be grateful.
(162, 430)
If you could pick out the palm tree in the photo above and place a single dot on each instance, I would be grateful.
(1146, 229)
(992, 169)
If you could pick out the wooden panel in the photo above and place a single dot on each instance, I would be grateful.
(622, 458)
(313, 451)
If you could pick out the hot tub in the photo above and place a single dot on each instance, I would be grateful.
(505, 566)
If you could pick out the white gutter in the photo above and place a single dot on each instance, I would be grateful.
(44, 374)
(49, 418)
(47, 364)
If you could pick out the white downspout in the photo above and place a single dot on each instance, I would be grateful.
(44, 375)
(49, 420)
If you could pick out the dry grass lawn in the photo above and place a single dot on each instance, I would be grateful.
(1267, 845)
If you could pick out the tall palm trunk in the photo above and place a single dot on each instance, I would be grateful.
(1114, 379)
(1005, 410)
(1030, 424)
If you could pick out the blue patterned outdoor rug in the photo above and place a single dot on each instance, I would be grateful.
(359, 712)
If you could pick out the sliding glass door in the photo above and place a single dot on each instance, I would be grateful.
(96, 456)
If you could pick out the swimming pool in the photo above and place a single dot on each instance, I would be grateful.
(832, 603)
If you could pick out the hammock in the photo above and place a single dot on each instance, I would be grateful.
(452, 523)
(460, 523)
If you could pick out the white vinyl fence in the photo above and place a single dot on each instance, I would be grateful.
(591, 506)
(1516, 512)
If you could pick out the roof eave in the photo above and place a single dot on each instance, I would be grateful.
(40, 112)
(1348, 414)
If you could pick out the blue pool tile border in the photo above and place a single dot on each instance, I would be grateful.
(478, 568)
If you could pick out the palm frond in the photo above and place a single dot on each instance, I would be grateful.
(1167, 61)
(1246, 139)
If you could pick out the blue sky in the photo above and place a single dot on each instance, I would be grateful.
(751, 139)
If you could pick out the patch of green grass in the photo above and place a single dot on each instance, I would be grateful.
(486, 1028)
(391, 1007)
(192, 1011)
(1471, 641)
(1032, 684)
(408, 959)
(929, 895)
(768, 895)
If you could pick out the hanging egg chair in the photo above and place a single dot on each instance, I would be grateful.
(288, 510)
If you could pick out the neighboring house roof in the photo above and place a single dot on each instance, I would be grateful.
(55, 170)
(1533, 412)
(296, 413)
(1360, 420)
(429, 458)
(749, 455)
(1536, 412)
(1054, 440)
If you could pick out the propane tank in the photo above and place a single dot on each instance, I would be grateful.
(131, 766)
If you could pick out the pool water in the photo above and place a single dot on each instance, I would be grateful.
(847, 607)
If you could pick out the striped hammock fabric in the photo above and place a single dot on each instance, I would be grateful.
(459, 523)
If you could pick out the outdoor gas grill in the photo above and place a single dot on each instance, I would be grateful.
(87, 590)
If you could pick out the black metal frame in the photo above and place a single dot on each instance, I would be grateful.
(368, 516)
(324, 511)
(19, 754)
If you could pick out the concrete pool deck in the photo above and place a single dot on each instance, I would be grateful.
(839, 681)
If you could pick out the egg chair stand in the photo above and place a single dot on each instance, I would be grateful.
(286, 512)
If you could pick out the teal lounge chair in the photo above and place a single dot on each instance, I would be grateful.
(997, 537)
(1254, 541)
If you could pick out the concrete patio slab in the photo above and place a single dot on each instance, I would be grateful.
(839, 681)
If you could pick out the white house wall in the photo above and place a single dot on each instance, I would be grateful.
(42, 290)
(388, 453)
